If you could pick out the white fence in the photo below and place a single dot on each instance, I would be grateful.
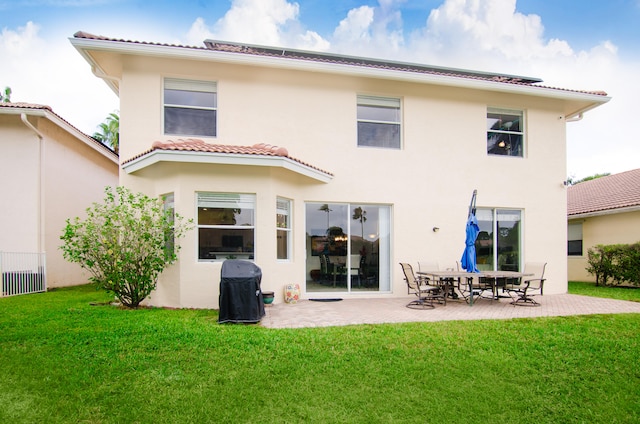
(22, 273)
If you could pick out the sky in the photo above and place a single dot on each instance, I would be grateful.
(573, 44)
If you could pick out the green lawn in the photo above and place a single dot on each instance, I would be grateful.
(64, 360)
(590, 289)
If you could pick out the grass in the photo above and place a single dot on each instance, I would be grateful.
(64, 360)
(590, 289)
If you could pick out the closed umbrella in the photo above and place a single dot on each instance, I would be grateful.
(468, 260)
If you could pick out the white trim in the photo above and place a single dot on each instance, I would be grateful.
(224, 159)
(182, 52)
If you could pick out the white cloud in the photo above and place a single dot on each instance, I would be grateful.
(51, 72)
(264, 22)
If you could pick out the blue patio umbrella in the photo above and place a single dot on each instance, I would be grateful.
(468, 260)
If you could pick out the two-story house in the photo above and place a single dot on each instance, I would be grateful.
(329, 170)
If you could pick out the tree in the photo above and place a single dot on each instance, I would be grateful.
(125, 243)
(109, 133)
(5, 96)
(571, 181)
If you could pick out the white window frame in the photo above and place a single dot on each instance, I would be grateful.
(284, 208)
(190, 85)
(228, 201)
(381, 102)
(521, 133)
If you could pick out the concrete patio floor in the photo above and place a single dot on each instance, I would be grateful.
(307, 313)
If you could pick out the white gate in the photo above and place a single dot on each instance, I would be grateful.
(22, 273)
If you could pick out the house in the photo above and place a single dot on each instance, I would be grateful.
(329, 170)
(604, 210)
(51, 171)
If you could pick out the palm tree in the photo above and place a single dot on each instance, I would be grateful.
(109, 134)
(325, 208)
(361, 215)
(5, 96)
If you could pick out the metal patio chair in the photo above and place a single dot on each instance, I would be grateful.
(527, 287)
(425, 291)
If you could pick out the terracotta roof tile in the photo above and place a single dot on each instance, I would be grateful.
(197, 145)
(605, 193)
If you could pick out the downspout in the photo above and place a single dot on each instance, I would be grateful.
(41, 203)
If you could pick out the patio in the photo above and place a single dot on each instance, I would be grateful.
(308, 313)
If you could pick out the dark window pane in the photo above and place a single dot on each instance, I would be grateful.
(575, 248)
(221, 243)
(504, 144)
(503, 122)
(189, 98)
(379, 135)
(179, 121)
(283, 244)
(225, 216)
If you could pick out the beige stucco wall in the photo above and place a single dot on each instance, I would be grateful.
(74, 176)
(427, 183)
(616, 228)
(18, 190)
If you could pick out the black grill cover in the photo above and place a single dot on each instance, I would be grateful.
(240, 293)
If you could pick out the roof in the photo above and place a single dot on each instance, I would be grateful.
(318, 61)
(47, 111)
(196, 150)
(610, 194)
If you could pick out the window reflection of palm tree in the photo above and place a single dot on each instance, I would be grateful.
(325, 208)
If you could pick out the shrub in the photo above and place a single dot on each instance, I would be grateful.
(125, 243)
(615, 264)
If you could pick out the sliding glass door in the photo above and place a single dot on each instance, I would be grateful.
(498, 246)
(348, 247)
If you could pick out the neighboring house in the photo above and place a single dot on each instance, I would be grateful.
(605, 210)
(374, 156)
(50, 172)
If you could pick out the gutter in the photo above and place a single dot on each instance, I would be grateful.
(40, 200)
(604, 212)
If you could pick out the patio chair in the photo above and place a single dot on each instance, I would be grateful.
(527, 287)
(356, 270)
(426, 293)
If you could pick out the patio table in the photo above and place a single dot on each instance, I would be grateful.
(445, 276)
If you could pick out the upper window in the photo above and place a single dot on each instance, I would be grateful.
(379, 122)
(504, 132)
(190, 107)
(226, 225)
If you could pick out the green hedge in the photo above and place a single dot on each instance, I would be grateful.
(615, 264)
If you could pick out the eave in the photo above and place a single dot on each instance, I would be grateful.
(158, 156)
(577, 102)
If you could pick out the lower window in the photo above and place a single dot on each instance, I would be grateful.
(226, 226)
(574, 238)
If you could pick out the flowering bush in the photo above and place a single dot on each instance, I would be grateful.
(125, 243)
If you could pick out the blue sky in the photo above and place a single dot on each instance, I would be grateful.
(575, 44)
